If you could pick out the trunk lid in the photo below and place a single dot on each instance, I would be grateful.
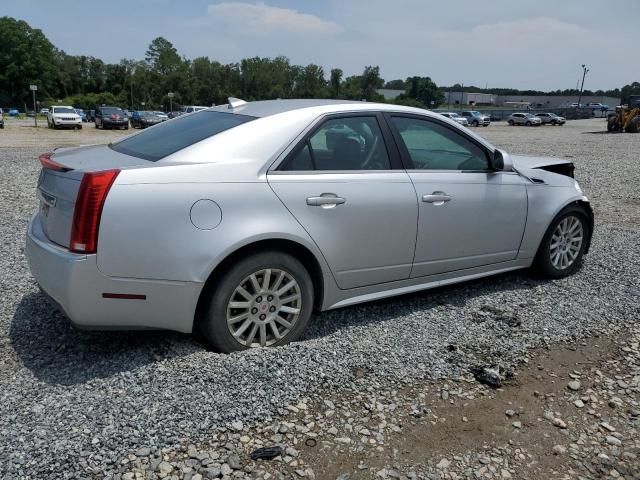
(58, 189)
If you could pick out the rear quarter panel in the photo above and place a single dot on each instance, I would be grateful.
(146, 231)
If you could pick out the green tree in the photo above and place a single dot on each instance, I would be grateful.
(26, 57)
(395, 85)
(162, 56)
(424, 90)
(310, 83)
(628, 90)
(370, 81)
(335, 82)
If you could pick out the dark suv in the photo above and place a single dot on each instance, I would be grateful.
(110, 117)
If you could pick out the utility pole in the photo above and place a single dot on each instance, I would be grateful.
(34, 88)
(585, 70)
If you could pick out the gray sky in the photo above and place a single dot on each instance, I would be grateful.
(501, 43)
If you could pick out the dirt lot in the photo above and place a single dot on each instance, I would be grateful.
(383, 390)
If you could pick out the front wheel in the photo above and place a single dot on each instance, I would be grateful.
(562, 249)
(511, 122)
(264, 300)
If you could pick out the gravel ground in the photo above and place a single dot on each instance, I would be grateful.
(73, 404)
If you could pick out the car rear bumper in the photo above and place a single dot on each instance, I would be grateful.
(76, 285)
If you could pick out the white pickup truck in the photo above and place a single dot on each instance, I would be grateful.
(63, 117)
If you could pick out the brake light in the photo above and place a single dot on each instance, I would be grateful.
(94, 188)
(45, 160)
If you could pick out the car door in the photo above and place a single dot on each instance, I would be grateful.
(469, 215)
(344, 183)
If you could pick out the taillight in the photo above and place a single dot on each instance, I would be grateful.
(45, 160)
(92, 194)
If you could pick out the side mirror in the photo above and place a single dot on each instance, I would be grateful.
(501, 161)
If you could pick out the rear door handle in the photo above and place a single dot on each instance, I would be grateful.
(325, 200)
(437, 198)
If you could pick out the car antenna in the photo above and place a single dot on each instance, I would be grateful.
(235, 102)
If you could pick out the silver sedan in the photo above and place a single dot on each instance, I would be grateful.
(243, 219)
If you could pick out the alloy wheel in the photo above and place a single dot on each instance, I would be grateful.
(566, 242)
(264, 308)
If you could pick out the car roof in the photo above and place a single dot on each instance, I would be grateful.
(267, 108)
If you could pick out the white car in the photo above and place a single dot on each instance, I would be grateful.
(64, 117)
(456, 118)
(241, 220)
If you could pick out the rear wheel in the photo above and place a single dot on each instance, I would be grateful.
(562, 249)
(634, 125)
(264, 300)
(511, 122)
(528, 124)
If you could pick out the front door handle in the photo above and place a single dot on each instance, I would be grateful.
(325, 200)
(437, 198)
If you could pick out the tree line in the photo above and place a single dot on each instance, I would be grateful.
(28, 57)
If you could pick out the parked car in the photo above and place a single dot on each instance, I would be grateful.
(162, 115)
(110, 117)
(1, 118)
(14, 112)
(91, 115)
(476, 119)
(63, 117)
(527, 119)
(551, 118)
(216, 220)
(44, 111)
(144, 119)
(82, 114)
(456, 118)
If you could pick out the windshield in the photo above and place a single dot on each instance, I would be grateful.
(112, 111)
(169, 137)
(63, 110)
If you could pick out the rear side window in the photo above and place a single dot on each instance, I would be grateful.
(181, 132)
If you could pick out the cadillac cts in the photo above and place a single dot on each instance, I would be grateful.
(242, 219)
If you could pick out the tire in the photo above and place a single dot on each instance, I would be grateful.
(634, 125)
(510, 122)
(549, 261)
(96, 125)
(214, 324)
(554, 123)
(475, 123)
(528, 124)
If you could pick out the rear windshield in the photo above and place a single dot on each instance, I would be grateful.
(181, 132)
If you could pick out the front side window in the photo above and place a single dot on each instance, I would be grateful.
(432, 146)
(351, 143)
(181, 132)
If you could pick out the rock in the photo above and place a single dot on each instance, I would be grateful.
(579, 403)
(226, 469)
(237, 425)
(143, 452)
(574, 385)
(510, 413)
(611, 440)
(608, 427)
(443, 464)
(245, 439)
(559, 449)
(489, 376)
(343, 476)
(234, 461)
(165, 468)
(444, 395)
(505, 473)
(558, 422)
(517, 425)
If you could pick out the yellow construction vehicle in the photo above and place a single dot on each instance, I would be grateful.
(626, 118)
